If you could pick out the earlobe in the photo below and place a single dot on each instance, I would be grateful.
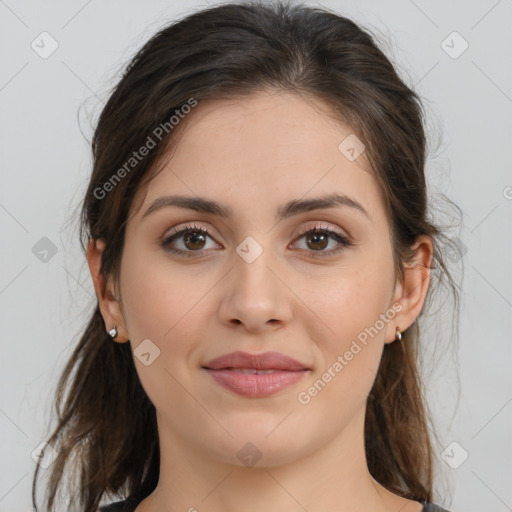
(411, 292)
(108, 303)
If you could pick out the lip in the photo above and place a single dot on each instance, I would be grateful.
(262, 361)
(237, 372)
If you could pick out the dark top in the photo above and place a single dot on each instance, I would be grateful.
(130, 504)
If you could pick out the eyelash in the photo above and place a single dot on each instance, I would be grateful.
(343, 241)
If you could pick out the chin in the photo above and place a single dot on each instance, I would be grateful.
(262, 444)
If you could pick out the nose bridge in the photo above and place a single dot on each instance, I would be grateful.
(252, 262)
(254, 295)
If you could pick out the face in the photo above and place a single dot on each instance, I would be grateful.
(259, 279)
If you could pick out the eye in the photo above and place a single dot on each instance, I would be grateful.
(194, 239)
(189, 239)
(318, 238)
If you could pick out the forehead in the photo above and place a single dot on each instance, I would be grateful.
(275, 122)
(262, 146)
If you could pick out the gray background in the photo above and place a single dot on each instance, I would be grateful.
(46, 298)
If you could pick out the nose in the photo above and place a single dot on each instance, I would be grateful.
(255, 294)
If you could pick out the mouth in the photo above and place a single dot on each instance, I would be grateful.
(251, 370)
(256, 375)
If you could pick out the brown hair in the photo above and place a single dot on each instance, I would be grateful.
(106, 426)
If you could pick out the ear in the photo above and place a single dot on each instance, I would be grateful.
(410, 293)
(108, 301)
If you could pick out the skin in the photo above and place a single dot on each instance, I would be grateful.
(253, 155)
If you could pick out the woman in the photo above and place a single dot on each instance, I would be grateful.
(256, 230)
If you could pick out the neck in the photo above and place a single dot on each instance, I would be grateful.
(334, 476)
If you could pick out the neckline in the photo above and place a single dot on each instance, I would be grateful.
(133, 502)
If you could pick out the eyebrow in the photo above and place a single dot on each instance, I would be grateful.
(293, 207)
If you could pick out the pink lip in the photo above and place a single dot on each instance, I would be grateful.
(226, 370)
(263, 361)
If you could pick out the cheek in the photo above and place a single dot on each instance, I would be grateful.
(163, 305)
(348, 356)
(353, 308)
(160, 299)
(354, 300)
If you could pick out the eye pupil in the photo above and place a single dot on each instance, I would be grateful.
(193, 237)
(316, 237)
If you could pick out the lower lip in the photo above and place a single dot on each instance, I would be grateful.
(254, 384)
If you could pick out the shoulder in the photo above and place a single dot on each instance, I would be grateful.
(128, 505)
(431, 507)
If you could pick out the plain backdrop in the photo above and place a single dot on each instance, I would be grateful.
(457, 55)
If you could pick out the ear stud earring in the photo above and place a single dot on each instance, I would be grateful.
(398, 334)
(113, 332)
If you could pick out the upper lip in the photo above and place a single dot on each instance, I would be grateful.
(263, 361)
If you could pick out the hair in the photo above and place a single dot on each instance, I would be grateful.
(106, 425)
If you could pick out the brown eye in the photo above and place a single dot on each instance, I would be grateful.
(194, 240)
(189, 240)
(317, 241)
